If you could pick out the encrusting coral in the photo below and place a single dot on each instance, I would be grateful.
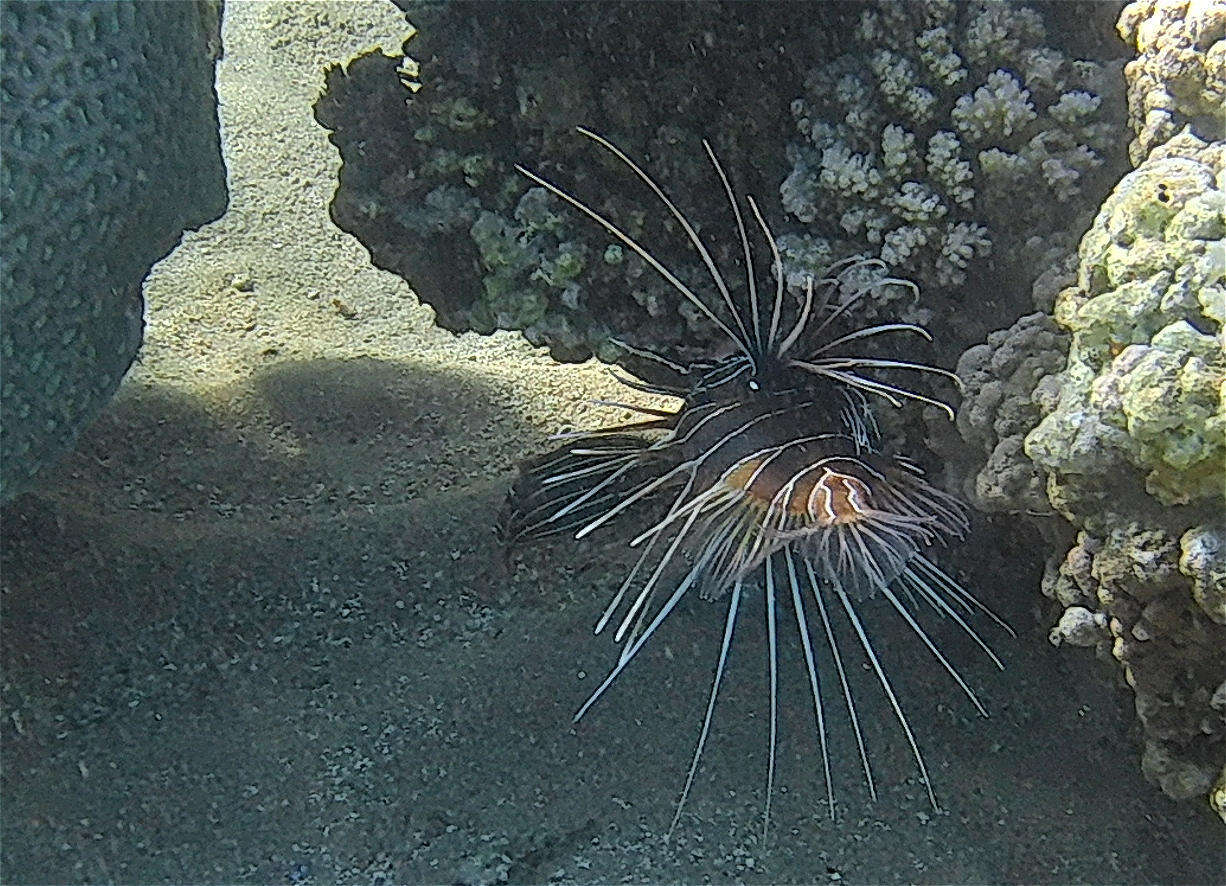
(1178, 78)
(1142, 382)
(1123, 422)
(1004, 378)
(940, 143)
(1134, 450)
(1121, 418)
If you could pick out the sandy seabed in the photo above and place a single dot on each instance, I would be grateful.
(258, 629)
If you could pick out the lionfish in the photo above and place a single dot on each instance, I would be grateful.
(771, 475)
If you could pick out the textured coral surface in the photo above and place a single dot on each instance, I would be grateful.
(110, 149)
(1135, 455)
(429, 185)
(1126, 439)
(1120, 427)
(1004, 379)
(957, 142)
(1142, 387)
(948, 133)
(1178, 77)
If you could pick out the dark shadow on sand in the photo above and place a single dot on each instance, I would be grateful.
(233, 653)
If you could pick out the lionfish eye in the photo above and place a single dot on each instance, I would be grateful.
(753, 385)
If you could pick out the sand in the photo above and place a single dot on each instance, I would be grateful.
(258, 628)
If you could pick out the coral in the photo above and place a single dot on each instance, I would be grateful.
(1178, 78)
(1133, 448)
(1125, 592)
(1117, 423)
(1217, 797)
(946, 133)
(1203, 559)
(429, 186)
(528, 264)
(1001, 379)
(936, 147)
(108, 109)
(1142, 390)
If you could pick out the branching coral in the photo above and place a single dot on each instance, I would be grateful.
(947, 132)
(957, 142)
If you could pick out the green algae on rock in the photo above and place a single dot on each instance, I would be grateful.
(1145, 371)
(1133, 448)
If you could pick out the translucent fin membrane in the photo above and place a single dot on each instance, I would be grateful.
(769, 479)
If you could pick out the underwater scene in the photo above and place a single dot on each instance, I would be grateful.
(613, 442)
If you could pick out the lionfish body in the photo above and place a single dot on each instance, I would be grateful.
(771, 472)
